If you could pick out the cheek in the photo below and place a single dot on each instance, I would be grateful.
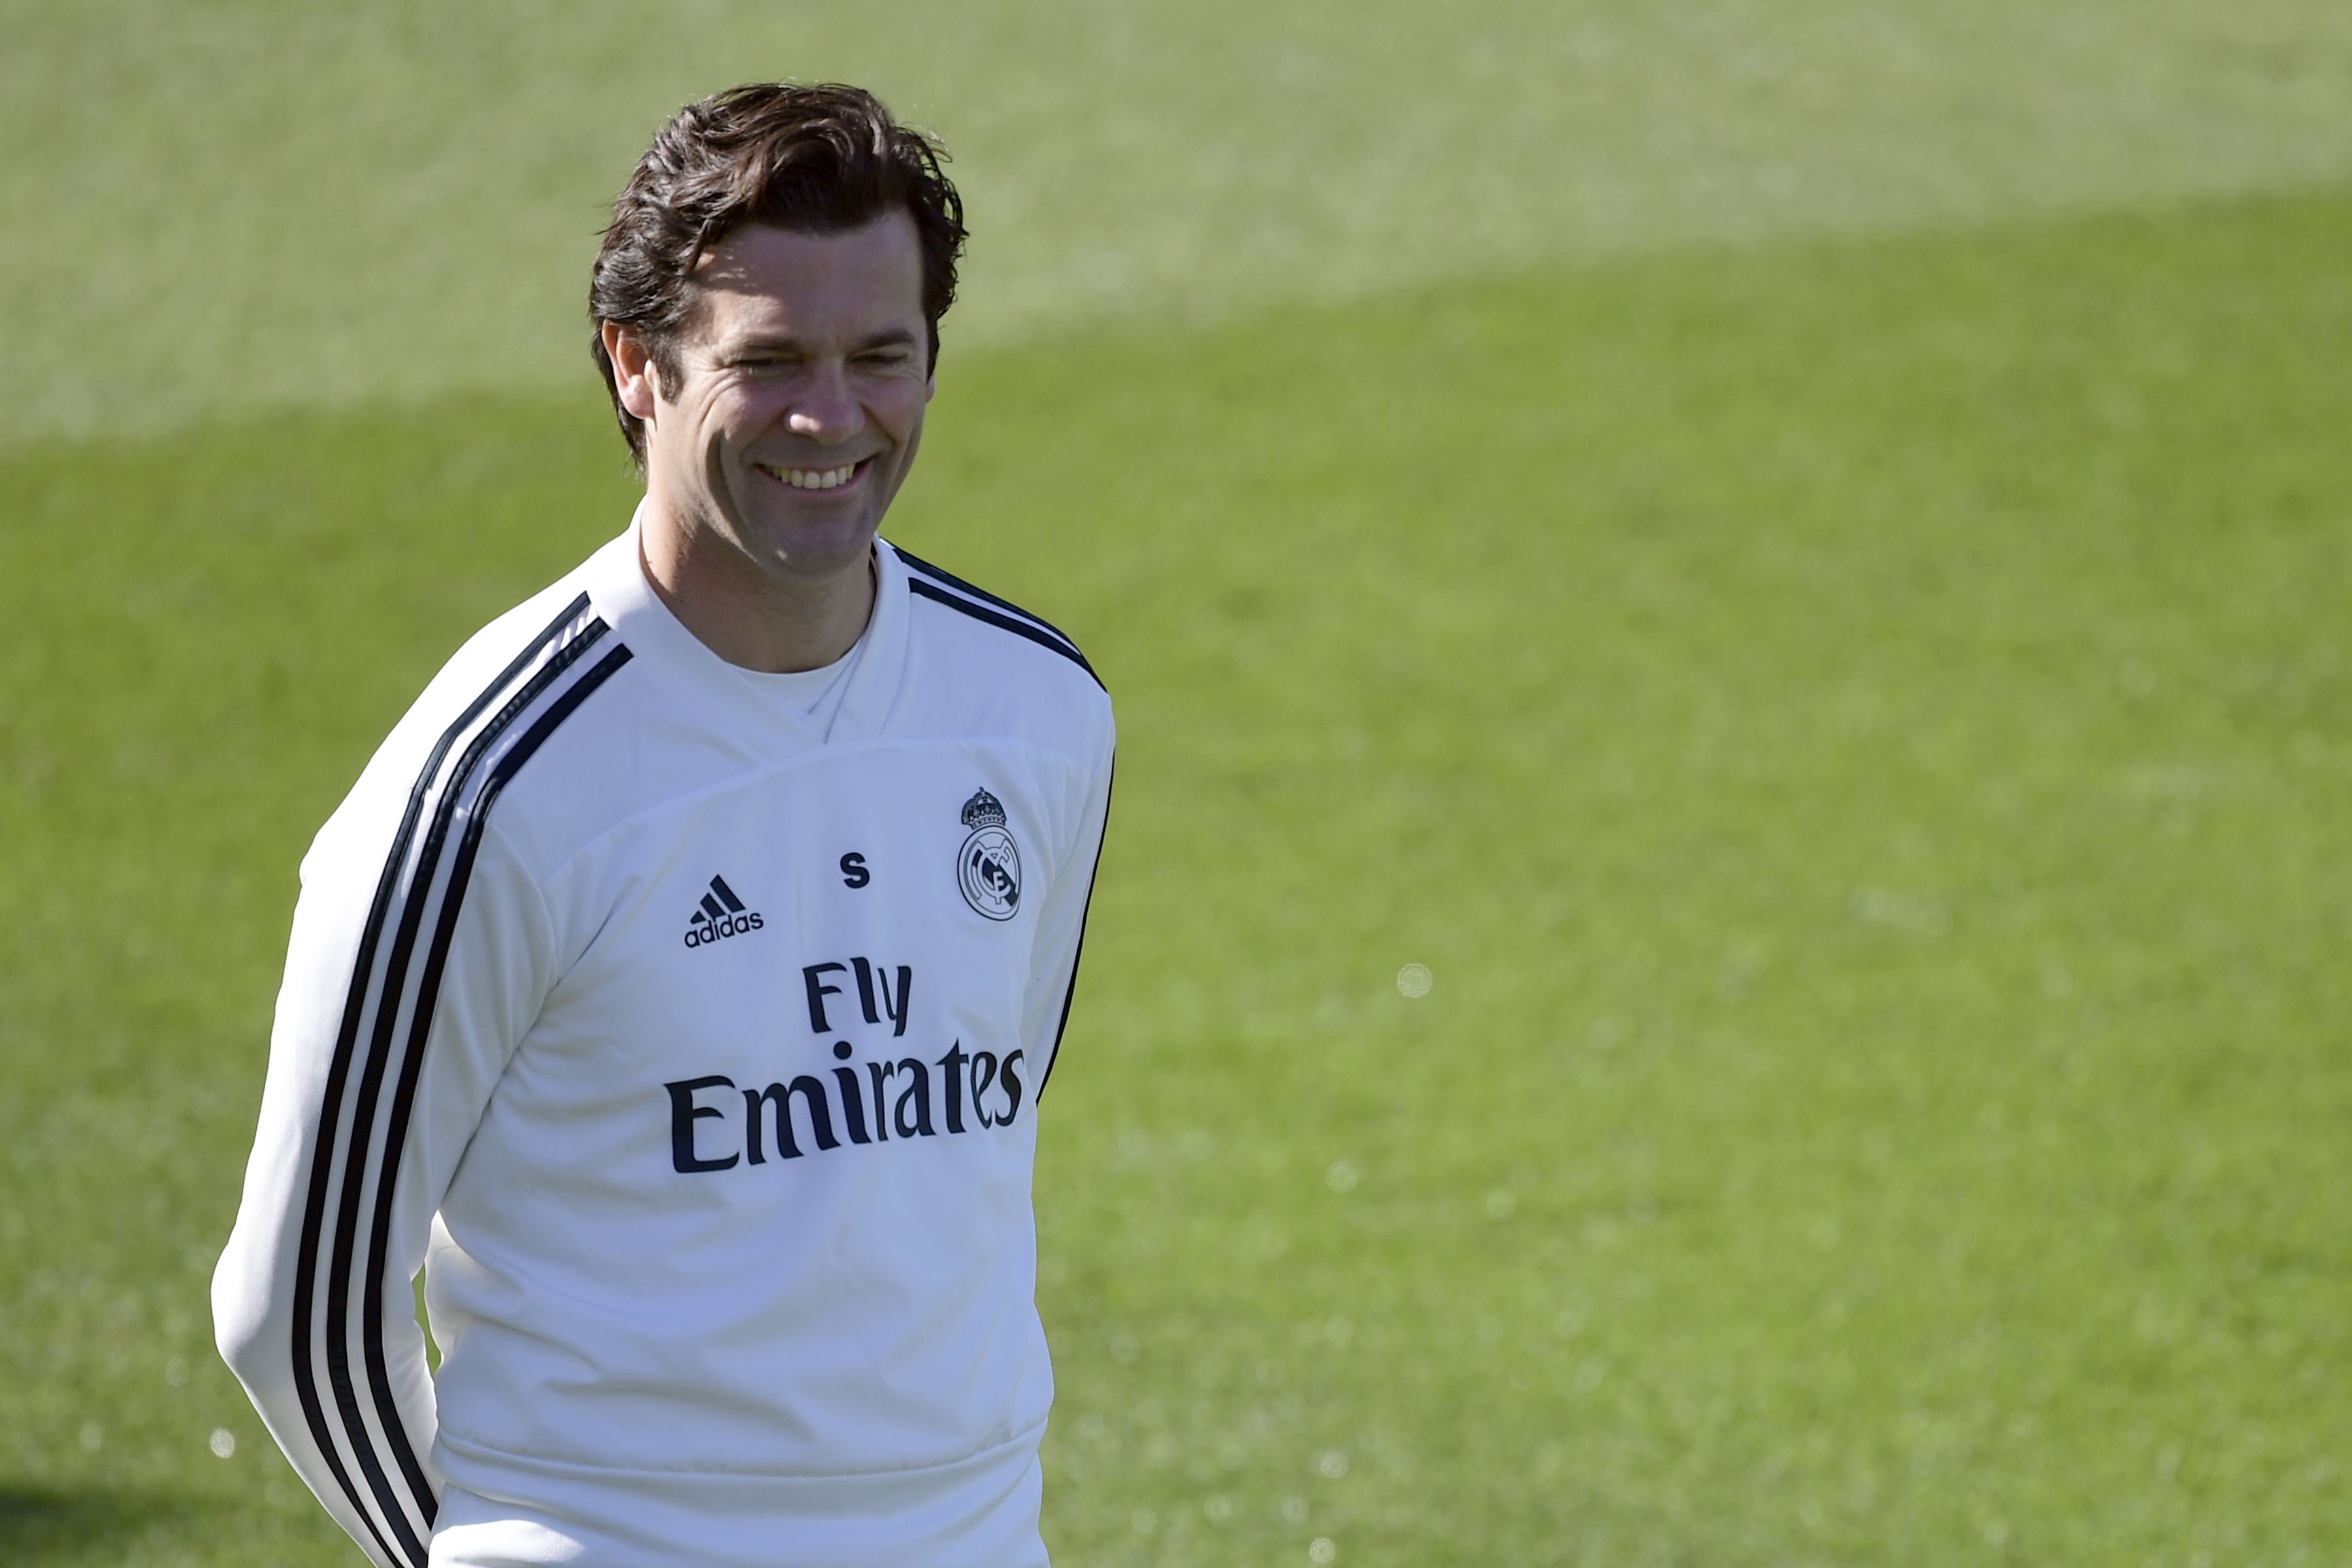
(718, 479)
(900, 409)
(727, 425)
(738, 410)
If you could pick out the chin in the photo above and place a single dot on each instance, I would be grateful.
(800, 549)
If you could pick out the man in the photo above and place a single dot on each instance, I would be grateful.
(677, 983)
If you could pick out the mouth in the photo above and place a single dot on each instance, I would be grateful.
(815, 478)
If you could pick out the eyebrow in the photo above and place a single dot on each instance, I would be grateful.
(894, 337)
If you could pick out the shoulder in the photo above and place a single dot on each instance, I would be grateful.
(987, 656)
(941, 587)
(490, 709)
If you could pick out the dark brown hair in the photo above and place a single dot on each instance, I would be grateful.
(819, 160)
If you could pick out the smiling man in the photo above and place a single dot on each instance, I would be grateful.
(677, 984)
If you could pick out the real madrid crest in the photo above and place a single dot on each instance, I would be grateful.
(988, 866)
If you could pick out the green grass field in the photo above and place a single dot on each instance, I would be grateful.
(1857, 724)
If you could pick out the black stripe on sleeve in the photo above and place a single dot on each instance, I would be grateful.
(428, 994)
(1019, 628)
(940, 575)
(1080, 952)
(328, 1137)
(391, 994)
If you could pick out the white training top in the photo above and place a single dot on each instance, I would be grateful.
(688, 1037)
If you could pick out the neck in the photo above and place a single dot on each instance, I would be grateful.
(756, 619)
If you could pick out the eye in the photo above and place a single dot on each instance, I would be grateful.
(761, 361)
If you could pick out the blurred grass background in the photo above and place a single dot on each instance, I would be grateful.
(1793, 557)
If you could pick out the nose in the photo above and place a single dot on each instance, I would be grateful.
(823, 408)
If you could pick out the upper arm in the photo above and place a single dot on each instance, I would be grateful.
(1062, 920)
(414, 968)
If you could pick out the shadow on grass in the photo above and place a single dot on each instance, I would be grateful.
(51, 1524)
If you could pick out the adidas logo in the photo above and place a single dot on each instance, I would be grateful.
(721, 914)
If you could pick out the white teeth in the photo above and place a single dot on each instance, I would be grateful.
(814, 479)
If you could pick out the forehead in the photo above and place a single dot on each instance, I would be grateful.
(813, 287)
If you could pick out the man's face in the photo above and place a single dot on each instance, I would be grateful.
(800, 402)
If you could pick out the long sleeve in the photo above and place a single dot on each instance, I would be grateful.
(420, 952)
(695, 1292)
(1061, 923)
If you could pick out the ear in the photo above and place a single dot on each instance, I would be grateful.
(634, 375)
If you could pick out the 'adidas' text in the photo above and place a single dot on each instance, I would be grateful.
(721, 914)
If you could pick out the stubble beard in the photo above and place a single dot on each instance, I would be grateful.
(801, 556)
